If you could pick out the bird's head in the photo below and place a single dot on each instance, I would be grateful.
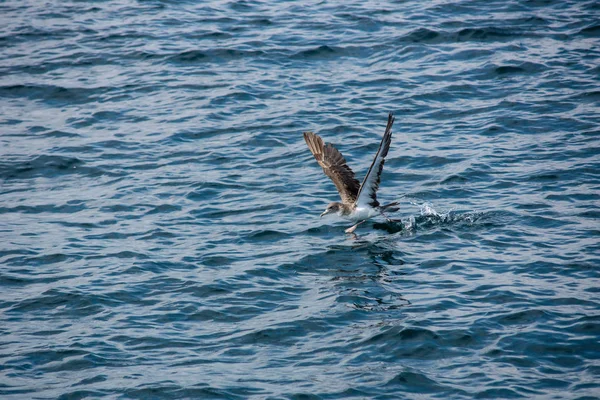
(333, 207)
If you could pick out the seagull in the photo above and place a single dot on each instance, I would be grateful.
(359, 201)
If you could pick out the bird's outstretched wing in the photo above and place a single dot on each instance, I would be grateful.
(334, 165)
(367, 194)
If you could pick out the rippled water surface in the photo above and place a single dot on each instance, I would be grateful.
(159, 209)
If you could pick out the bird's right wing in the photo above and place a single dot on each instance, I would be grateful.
(367, 195)
(335, 167)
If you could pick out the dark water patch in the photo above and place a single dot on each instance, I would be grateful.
(189, 56)
(576, 198)
(362, 22)
(469, 175)
(161, 266)
(59, 303)
(422, 35)
(82, 60)
(190, 135)
(485, 33)
(104, 117)
(159, 234)
(83, 394)
(523, 317)
(592, 214)
(323, 51)
(429, 162)
(217, 261)
(281, 335)
(217, 55)
(10, 252)
(43, 259)
(61, 134)
(454, 179)
(27, 33)
(412, 381)
(526, 67)
(126, 254)
(490, 33)
(45, 208)
(124, 36)
(260, 22)
(19, 278)
(213, 35)
(43, 165)
(45, 357)
(241, 211)
(49, 93)
(149, 343)
(591, 31)
(234, 97)
(268, 235)
(172, 391)
(164, 208)
(509, 70)
(545, 222)
(588, 96)
(407, 342)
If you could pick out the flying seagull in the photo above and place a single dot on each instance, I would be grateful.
(359, 201)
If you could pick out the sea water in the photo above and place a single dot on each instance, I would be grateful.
(159, 209)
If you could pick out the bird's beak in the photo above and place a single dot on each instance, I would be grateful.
(324, 213)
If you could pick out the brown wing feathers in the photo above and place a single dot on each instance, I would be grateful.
(335, 167)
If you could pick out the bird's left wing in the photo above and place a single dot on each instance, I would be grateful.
(335, 167)
(367, 195)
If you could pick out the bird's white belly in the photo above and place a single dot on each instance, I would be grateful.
(361, 213)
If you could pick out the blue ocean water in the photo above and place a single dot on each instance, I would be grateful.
(159, 209)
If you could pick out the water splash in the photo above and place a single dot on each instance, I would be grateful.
(428, 210)
(430, 218)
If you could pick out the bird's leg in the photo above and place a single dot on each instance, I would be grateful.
(353, 228)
